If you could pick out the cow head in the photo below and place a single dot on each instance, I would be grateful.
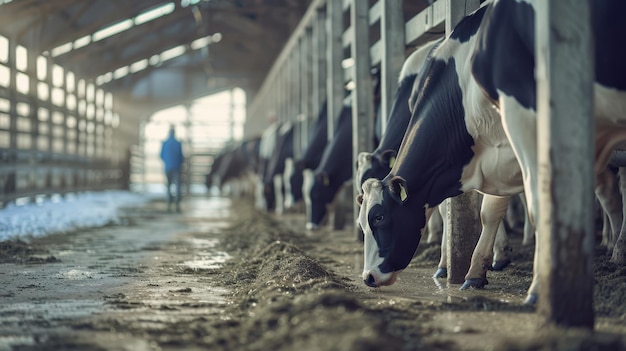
(392, 223)
(374, 165)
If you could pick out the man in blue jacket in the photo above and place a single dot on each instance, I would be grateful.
(172, 156)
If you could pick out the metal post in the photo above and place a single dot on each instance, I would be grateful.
(189, 151)
(392, 38)
(319, 62)
(564, 108)
(362, 95)
(305, 92)
(334, 56)
(463, 214)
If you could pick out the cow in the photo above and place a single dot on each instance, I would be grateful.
(304, 166)
(378, 164)
(454, 143)
(234, 166)
(264, 193)
(333, 171)
(504, 65)
(273, 177)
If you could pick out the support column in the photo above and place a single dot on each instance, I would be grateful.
(564, 109)
(334, 56)
(362, 95)
(189, 144)
(11, 182)
(392, 38)
(319, 62)
(305, 93)
(463, 215)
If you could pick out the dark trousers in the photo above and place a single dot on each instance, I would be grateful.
(173, 178)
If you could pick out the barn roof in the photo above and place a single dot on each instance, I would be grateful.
(156, 53)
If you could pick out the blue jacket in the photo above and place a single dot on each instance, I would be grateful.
(172, 154)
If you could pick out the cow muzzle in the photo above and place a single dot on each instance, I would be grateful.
(312, 226)
(375, 279)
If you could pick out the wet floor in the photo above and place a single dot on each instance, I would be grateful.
(152, 261)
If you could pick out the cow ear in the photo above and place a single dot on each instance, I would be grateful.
(389, 156)
(364, 157)
(359, 199)
(398, 188)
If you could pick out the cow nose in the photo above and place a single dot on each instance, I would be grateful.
(370, 281)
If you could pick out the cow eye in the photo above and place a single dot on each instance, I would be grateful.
(379, 218)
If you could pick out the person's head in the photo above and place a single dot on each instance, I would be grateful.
(172, 132)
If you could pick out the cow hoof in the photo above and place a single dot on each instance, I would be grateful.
(441, 273)
(476, 283)
(531, 300)
(501, 265)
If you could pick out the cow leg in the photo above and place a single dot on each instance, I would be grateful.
(533, 290)
(529, 232)
(492, 212)
(435, 227)
(520, 126)
(619, 249)
(287, 174)
(442, 268)
(278, 194)
(501, 249)
(259, 196)
(607, 192)
(606, 230)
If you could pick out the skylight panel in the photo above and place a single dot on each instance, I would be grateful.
(105, 78)
(61, 49)
(200, 43)
(80, 42)
(155, 13)
(120, 72)
(138, 66)
(172, 53)
(112, 30)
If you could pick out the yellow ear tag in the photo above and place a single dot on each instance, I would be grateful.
(392, 160)
(326, 181)
(403, 194)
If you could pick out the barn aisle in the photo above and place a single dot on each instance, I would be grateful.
(71, 290)
(223, 276)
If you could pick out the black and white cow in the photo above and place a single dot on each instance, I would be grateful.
(264, 194)
(454, 143)
(333, 171)
(273, 177)
(378, 163)
(312, 155)
(235, 166)
(504, 66)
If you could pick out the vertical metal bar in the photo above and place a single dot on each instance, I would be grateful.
(319, 61)
(305, 91)
(362, 95)
(392, 38)
(564, 108)
(334, 56)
